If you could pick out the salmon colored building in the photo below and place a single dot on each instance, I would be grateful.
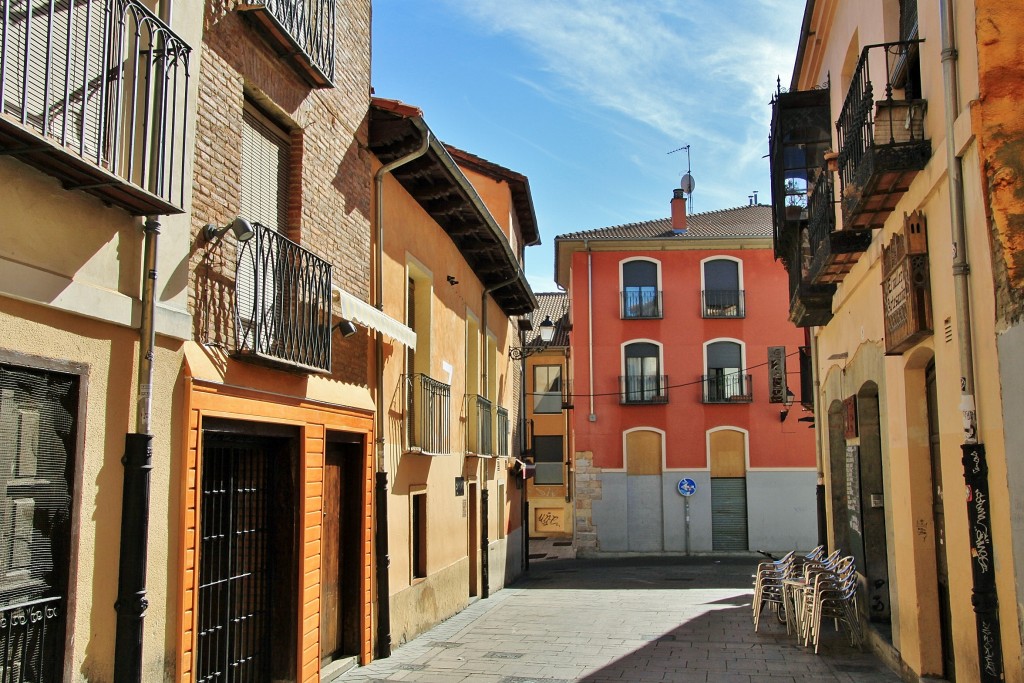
(672, 321)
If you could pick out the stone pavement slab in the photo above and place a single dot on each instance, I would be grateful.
(677, 619)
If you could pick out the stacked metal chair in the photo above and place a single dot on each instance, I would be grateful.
(831, 593)
(769, 588)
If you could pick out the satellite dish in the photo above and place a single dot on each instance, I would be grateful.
(687, 184)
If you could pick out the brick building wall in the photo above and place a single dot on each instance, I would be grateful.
(330, 181)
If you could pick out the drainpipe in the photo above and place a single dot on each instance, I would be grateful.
(819, 438)
(138, 457)
(590, 326)
(485, 571)
(381, 489)
(984, 596)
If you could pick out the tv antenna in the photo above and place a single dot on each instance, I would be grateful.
(686, 183)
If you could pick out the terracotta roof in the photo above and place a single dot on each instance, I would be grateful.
(742, 221)
(555, 305)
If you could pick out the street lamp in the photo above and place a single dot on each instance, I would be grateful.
(547, 333)
(786, 404)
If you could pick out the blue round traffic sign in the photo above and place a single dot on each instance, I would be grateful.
(687, 487)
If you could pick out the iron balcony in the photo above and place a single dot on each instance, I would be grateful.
(282, 303)
(643, 389)
(428, 415)
(301, 32)
(728, 388)
(96, 95)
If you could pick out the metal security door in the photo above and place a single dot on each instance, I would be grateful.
(728, 513)
(234, 576)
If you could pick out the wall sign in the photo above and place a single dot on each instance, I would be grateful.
(850, 417)
(906, 289)
(776, 374)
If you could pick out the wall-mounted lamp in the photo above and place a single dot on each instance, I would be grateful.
(786, 404)
(240, 227)
(452, 281)
(347, 328)
(547, 332)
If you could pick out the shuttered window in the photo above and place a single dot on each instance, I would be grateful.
(728, 513)
(265, 163)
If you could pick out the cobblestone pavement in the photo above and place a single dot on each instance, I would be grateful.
(636, 620)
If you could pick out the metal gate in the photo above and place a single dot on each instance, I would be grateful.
(728, 513)
(234, 574)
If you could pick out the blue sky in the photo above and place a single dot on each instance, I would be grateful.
(587, 97)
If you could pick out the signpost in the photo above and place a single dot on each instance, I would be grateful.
(777, 374)
(686, 487)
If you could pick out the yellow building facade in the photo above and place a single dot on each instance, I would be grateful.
(894, 147)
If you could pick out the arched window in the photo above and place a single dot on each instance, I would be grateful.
(725, 381)
(723, 289)
(641, 297)
(643, 381)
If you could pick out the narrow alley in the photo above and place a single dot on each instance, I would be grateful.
(598, 621)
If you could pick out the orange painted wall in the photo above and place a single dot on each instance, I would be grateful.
(204, 399)
(683, 331)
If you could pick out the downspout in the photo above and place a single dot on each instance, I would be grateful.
(590, 327)
(984, 596)
(819, 437)
(381, 487)
(138, 458)
(485, 571)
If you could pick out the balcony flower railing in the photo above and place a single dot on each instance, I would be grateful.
(106, 82)
(723, 303)
(282, 303)
(729, 387)
(821, 212)
(643, 389)
(641, 303)
(481, 437)
(898, 120)
(503, 432)
(32, 641)
(428, 415)
(308, 27)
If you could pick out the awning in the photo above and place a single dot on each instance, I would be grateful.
(359, 311)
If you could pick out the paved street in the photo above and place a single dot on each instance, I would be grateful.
(672, 619)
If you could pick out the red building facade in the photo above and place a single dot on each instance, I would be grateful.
(671, 324)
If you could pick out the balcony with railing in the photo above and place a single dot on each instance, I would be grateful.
(502, 430)
(480, 435)
(301, 32)
(96, 95)
(729, 387)
(833, 252)
(723, 303)
(800, 135)
(643, 389)
(428, 415)
(882, 146)
(32, 641)
(282, 304)
(641, 303)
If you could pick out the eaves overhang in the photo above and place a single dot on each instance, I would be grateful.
(438, 185)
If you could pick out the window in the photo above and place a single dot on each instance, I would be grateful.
(640, 295)
(725, 381)
(643, 382)
(418, 534)
(548, 461)
(547, 388)
(722, 295)
(265, 166)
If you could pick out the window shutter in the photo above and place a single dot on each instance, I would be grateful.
(264, 171)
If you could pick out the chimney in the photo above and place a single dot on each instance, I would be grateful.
(679, 212)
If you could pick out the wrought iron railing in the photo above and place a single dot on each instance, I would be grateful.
(857, 121)
(502, 432)
(643, 303)
(723, 303)
(32, 641)
(282, 302)
(105, 80)
(481, 434)
(428, 415)
(637, 389)
(311, 24)
(729, 387)
(821, 214)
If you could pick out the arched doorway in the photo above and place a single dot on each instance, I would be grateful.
(875, 564)
(727, 454)
(643, 451)
(837, 471)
